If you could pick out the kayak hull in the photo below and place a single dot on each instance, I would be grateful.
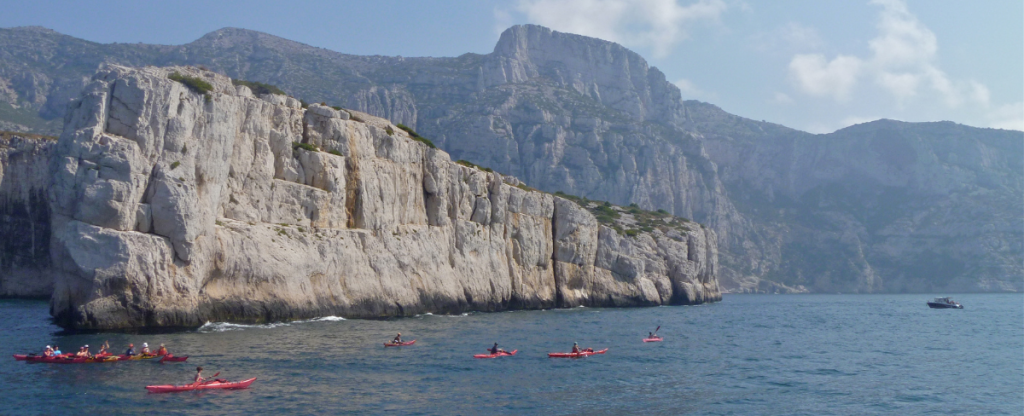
(575, 354)
(135, 357)
(215, 385)
(500, 354)
(400, 344)
(170, 358)
(655, 339)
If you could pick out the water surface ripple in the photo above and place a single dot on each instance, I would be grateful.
(749, 354)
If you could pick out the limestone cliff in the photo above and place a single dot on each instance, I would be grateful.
(172, 208)
(24, 216)
(851, 211)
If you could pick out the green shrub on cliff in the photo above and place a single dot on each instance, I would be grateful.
(258, 88)
(416, 136)
(467, 163)
(196, 84)
(305, 146)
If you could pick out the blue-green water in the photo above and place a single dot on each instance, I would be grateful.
(749, 354)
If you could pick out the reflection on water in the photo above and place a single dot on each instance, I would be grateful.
(843, 354)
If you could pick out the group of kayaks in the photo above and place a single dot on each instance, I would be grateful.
(98, 358)
(106, 357)
(222, 384)
(109, 358)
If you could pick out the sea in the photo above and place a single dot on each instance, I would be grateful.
(745, 355)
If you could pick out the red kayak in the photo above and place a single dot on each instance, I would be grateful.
(212, 384)
(499, 354)
(399, 344)
(172, 359)
(655, 339)
(575, 354)
(39, 357)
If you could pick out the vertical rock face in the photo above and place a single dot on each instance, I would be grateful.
(171, 208)
(24, 217)
(880, 207)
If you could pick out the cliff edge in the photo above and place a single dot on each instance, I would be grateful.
(172, 206)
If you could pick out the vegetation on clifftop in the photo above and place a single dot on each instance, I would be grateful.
(199, 85)
(631, 220)
(258, 88)
(416, 136)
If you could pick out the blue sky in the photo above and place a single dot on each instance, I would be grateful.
(812, 65)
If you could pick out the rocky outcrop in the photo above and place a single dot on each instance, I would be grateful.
(24, 216)
(171, 208)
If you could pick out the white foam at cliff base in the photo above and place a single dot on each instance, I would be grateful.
(227, 326)
(328, 319)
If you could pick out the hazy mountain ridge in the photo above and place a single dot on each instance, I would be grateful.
(588, 117)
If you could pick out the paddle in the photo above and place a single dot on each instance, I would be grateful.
(656, 330)
(212, 378)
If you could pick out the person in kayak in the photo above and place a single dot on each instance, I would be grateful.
(398, 339)
(162, 351)
(48, 352)
(199, 376)
(495, 350)
(650, 335)
(103, 348)
(83, 352)
(130, 351)
(56, 351)
(575, 348)
(145, 349)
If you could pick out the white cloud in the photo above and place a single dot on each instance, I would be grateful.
(502, 20)
(658, 24)
(782, 98)
(1009, 116)
(691, 91)
(816, 76)
(903, 86)
(787, 39)
(902, 63)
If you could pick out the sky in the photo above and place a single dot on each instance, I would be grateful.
(812, 65)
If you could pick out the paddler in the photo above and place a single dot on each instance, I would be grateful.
(48, 352)
(131, 350)
(575, 348)
(83, 352)
(495, 350)
(145, 349)
(162, 351)
(398, 339)
(56, 351)
(199, 376)
(650, 335)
